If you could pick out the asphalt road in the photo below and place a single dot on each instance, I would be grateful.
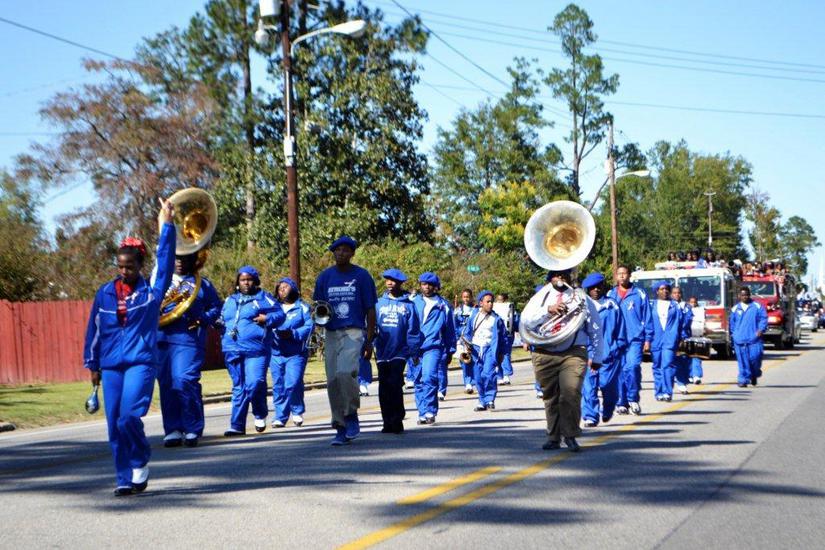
(723, 467)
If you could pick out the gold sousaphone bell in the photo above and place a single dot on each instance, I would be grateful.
(196, 216)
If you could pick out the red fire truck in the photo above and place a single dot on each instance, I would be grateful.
(778, 295)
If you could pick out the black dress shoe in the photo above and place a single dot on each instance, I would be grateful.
(191, 442)
(572, 444)
(386, 429)
(124, 491)
(398, 428)
(551, 445)
(172, 442)
(140, 487)
(753, 380)
(232, 433)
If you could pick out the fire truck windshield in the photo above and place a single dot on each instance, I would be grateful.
(761, 288)
(706, 289)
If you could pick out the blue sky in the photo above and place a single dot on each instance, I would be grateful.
(740, 37)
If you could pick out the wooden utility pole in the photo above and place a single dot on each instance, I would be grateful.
(611, 175)
(290, 153)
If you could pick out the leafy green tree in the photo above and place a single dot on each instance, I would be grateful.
(797, 239)
(21, 254)
(766, 223)
(486, 147)
(582, 86)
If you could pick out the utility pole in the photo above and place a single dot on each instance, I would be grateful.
(709, 195)
(290, 153)
(611, 174)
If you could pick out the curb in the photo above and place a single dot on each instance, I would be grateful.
(226, 397)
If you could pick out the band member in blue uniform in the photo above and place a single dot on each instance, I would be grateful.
(350, 292)
(505, 368)
(560, 366)
(638, 327)
(668, 329)
(289, 354)
(748, 322)
(397, 340)
(248, 316)
(461, 314)
(696, 370)
(121, 348)
(485, 331)
(682, 375)
(606, 378)
(182, 349)
(437, 347)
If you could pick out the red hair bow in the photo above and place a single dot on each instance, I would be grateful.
(134, 242)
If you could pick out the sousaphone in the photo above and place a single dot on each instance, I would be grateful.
(196, 216)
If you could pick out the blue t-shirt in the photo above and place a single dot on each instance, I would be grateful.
(350, 293)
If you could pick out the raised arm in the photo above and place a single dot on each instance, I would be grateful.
(165, 265)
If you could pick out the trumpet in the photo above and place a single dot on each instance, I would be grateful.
(466, 356)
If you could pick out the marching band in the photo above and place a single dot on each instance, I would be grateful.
(584, 341)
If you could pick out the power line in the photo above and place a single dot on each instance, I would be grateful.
(470, 61)
(59, 38)
(500, 25)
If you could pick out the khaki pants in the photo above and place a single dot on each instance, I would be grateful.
(560, 377)
(342, 350)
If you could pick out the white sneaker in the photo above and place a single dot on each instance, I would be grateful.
(539, 394)
(409, 384)
(140, 478)
(468, 388)
(691, 379)
(441, 396)
(297, 419)
(364, 390)
(506, 381)
(635, 408)
(277, 424)
(697, 381)
(682, 389)
(260, 424)
(173, 439)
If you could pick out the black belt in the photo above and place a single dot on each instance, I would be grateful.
(560, 352)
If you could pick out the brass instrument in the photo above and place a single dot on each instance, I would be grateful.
(321, 313)
(196, 216)
(558, 236)
(466, 356)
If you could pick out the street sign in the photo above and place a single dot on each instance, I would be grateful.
(474, 269)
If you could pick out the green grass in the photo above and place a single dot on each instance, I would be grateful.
(35, 405)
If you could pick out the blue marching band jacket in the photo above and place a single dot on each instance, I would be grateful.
(746, 321)
(635, 307)
(241, 333)
(437, 327)
(297, 321)
(109, 345)
(667, 337)
(613, 333)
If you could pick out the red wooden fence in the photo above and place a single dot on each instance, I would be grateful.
(43, 342)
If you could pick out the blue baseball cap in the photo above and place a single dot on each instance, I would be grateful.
(395, 275)
(592, 279)
(343, 240)
(251, 271)
(431, 278)
(482, 294)
(292, 284)
(659, 284)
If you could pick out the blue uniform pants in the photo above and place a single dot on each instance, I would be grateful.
(364, 372)
(664, 369)
(682, 373)
(484, 372)
(506, 367)
(749, 359)
(426, 382)
(412, 370)
(696, 370)
(127, 395)
(287, 385)
(443, 374)
(605, 379)
(248, 374)
(630, 379)
(181, 396)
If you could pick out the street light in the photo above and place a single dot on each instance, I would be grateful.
(356, 28)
